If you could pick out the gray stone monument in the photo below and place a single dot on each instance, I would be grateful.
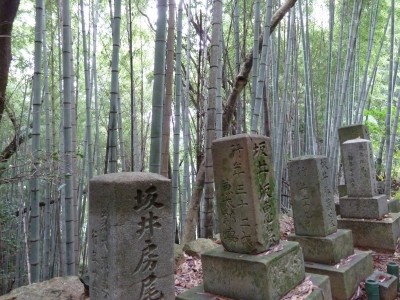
(244, 186)
(324, 246)
(312, 203)
(348, 133)
(363, 210)
(360, 131)
(253, 263)
(357, 163)
(362, 200)
(131, 237)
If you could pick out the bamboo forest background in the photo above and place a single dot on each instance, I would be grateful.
(98, 86)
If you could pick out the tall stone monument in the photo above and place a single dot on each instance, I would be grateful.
(253, 263)
(363, 210)
(348, 133)
(324, 246)
(131, 237)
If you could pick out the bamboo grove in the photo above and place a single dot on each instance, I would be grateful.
(98, 87)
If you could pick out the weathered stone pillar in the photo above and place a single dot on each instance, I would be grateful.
(359, 168)
(130, 237)
(312, 197)
(363, 210)
(324, 246)
(362, 200)
(350, 132)
(245, 193)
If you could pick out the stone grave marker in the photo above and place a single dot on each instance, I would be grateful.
(131, 237)
(350, 132)
(253, 263)
(359, 169)
(324, 246)
(363, 210)
(313, 204)
(244, 186)
(362, 200)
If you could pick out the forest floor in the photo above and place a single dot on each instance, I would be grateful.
(189, 274)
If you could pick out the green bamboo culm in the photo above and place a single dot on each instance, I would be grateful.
(393, 269)
(372, 288)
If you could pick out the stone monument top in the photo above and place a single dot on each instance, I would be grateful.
(245, 194)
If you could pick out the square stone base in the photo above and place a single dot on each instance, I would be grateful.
(379, 235)
(387, 284)
(264, 276)
(363, 208)
(328, 249)
(321, 290)
(345, 277)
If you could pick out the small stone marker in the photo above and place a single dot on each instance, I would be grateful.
(131, 237)
(363, 210)
(315, 222)
(359, 168)
(246, 201)
(313, 204)
(362, 200)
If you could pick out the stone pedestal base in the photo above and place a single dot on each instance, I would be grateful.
(387, 284)
(379, 235)
(321, 290)
(264, 276)
(328, 249)
(369, 208)
(345, 277)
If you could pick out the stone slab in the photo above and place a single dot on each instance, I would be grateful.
(364, 208)
(387, 284)
(268, 275)
(245, 193)
(379, 235)
(326, 250)
(346, 276)
(322, 291)
(394, 205)
(130, 237)
(311, 196)
(359, 168)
